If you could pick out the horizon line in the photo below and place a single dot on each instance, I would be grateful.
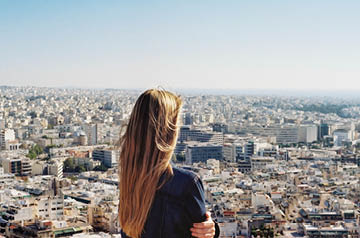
(187, 89)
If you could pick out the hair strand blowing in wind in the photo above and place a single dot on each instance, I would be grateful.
(146, 150)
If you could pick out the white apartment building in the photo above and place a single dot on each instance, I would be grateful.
(91, 131)
(43, 168)
(50, 208)
(6, 135)
(231, 150)
(341, 136)
(259, 163)
(56, 169)
(108, 157)
(5, 177)
(18, 213)
(308, 133)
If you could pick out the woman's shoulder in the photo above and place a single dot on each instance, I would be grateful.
(180, 182)
(184, 174)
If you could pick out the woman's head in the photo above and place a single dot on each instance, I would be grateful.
(155, 115)
(146, 150)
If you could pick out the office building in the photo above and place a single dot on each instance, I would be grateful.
(17, 166)
(6, 136)
(188, 134)
(341, 136)
(108, 157)
(201, 152)
(308, 133)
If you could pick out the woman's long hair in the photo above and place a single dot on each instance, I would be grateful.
(146, 150)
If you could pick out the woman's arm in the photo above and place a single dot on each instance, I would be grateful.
(203, 225)
(207, 228)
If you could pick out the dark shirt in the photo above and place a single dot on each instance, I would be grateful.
(178, 204)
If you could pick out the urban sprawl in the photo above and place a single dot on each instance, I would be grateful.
(271, 166)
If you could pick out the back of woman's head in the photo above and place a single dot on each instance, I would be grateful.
(146, 149)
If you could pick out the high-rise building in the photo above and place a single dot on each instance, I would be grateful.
(341, 136)
(323, 130)
(219, 127)
(188, 134)
(56, 169)
(229, 152)
(108, 157)
(6, 135)
(201, 152)
(308, 133)
(188, 120)
(2, 124)
(249, 148)
(287, 135)
(91, 131)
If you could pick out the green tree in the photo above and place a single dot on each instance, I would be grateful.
(31, 155)
(73, 178)
(38, 150)
(180, 157)
(101, 168)
(80, 169)
(34, 152)
(69, 165)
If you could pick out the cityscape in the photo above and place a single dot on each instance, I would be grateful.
(271, 165)
(268, 135)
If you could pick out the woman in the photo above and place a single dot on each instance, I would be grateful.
(157, 200)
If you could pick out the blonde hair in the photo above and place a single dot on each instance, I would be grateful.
(146, 150)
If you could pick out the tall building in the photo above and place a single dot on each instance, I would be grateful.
(284, 134)
(92, 132)
(56, 169)
(245, 152)
(249, 149)
(341, 136)
(188, 119)
(201, 152)
(323, 130)
(308, 133)
(188, 134)
(6, 135)
(287, 135)
(219, 127)
(229, 152)
(108, 157)
(17, 166)
(2, 124)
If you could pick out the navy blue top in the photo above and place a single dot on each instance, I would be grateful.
(178, 204)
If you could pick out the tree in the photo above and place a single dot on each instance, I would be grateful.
(101, 168)
(38, 150)
(69, 165)
(80, 169)
(31, 155)
(73, 178)
(34, 152)
(180, 157)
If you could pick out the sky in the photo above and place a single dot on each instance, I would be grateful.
(240, 44)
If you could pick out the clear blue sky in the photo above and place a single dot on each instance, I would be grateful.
(240, 44)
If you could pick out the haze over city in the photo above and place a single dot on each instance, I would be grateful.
(267, 136)
(181, 44)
